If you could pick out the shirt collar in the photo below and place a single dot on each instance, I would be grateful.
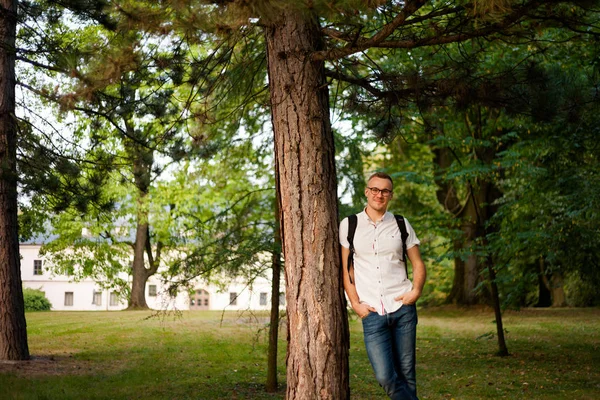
(365, 216)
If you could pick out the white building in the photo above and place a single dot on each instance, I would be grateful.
(86, 295)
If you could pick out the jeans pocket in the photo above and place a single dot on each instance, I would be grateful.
(368, 315)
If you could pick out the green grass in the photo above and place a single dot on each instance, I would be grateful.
(555, 354)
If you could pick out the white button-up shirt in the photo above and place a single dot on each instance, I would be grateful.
(379, 275)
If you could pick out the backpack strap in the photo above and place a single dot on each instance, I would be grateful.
(404, 236)
(352, 223)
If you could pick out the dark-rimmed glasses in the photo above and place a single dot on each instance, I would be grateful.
(376, 191)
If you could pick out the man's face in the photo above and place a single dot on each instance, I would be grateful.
(379, 201)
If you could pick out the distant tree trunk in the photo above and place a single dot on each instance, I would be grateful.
(317, 356)
(142, 165)
(139, 272)
(553, 286)
(474, 213)
(544, 293)
(502, 348)
(466, 272)
(484, 194)
(142, 249)
(558, 291)
(271, 385)
(13, 327)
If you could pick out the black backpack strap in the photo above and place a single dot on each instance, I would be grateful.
(352, 223)
(404, 236)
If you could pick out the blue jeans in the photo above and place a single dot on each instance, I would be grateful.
(390, 341)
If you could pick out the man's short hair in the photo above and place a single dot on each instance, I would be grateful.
(381, 175)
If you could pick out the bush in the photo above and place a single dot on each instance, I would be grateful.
(35, 300)
(581, 291)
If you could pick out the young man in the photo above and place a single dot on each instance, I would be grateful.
(379, 289)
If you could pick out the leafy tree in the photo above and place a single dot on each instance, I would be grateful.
(549, 212)
(308, 48)
(133, 116)
(475, 73)
(348, 42)
(14, 338)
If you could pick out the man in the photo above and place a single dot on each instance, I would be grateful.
(379, 289)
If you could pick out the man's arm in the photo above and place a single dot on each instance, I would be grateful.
(419, 275)
(361, 309)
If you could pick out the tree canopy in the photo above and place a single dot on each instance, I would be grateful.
(485, 110)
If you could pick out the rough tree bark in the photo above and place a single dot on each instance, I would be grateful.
(13, 327)
(317, 356)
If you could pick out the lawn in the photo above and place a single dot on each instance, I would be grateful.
(555, 354)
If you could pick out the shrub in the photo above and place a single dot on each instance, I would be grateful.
(35, 300)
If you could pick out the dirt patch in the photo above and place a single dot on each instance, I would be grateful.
(47, 365)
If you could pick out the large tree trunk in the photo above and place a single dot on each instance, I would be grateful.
(13, 327)
(317, 356)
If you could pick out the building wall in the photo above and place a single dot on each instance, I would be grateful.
(88, 296)
(55, 286)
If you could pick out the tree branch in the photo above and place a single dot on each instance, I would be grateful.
(333, 54)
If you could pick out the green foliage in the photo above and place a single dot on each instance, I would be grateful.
(225, 221)
(550, 208)
(483, 102)
(150, 108)
(581, 291)
(35, 300)
(166, 105)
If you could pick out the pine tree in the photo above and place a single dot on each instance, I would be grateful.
(13, 328)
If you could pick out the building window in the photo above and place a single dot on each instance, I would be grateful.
(97, 298)
(199, 300)
(114, 299)
(263, 299)
(233, 298)
(282, 299)
(152, 290)
(68, 298)
(37, 267)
